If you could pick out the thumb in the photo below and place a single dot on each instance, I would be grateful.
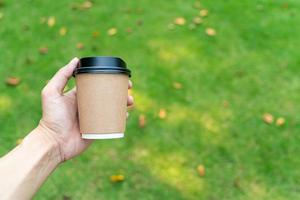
(58, 82)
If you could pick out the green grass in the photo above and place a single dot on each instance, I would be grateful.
(252, 63)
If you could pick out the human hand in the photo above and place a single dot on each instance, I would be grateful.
(60, 117)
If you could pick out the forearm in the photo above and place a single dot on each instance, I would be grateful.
(25, 168)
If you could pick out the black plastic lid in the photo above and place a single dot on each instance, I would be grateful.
(102, 65)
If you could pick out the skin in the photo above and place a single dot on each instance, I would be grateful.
(56, 139)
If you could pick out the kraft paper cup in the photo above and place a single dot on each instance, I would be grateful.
(102, 90)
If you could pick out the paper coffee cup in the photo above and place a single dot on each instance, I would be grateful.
(102, 90)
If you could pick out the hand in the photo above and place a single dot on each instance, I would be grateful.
(60, 119)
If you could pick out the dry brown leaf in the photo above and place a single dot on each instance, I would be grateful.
(268, 118)
(139, 22)
(51, 21)
(79, 46)
(180, 21)
(197, 20)
(43, 50)
(211, 32)
(203, 12)
(201, 170)
(117, 178)
(13, 81)
(96, 34)
(112, 31)
(129, 30)
(19, 141)
(62, 31)
(142, 121)
(162, 114)
(177, 85)
(280, 121)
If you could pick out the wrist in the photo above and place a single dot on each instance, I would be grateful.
(43, 141)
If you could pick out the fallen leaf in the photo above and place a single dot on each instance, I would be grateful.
(280, 121)
(180, 21)
(139, 22)
(203, 12)
(86, 5)
(112, 31)
(96, 34)
(51, 21)
(268, 118)
(19, 141)
(43, 50)
(177, 85)
(142, 121)
(79, 46)
(1, 15)
(13, 81)
(197, 20)
(65, 197)
(62, 31)
(117, 178)
(162, 114)
(129, 30)
(211, 32)
(201, 170)
(225, 104)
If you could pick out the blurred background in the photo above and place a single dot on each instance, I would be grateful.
(216, 85)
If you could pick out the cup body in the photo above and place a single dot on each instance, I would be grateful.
(102, 99)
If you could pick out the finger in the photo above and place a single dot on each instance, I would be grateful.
(129, 84)
(59, 80)
(127, 115)
(130, 101)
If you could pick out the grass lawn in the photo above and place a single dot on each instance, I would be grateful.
(228, 81)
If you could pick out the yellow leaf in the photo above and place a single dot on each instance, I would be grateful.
(197, 20)
(112, 31)
(51, 21)
(268, 118)
(211, 32)
(86, 5)
(162, 113)
(280, 121)
(180, 21)
(203, 12)
(117, 178)
(62, 31)
(201, 170)
(177, 85)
